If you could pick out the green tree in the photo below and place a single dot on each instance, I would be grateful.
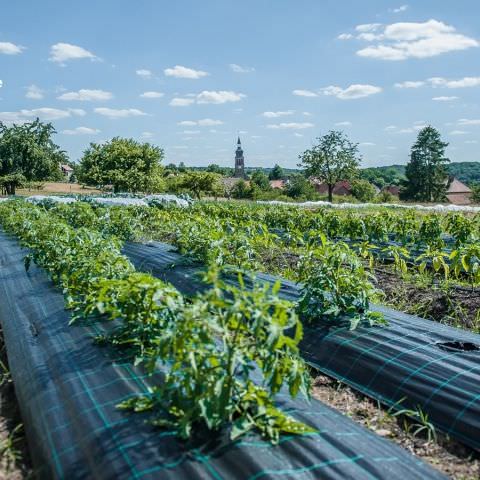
(363, 190)
(201, 182)
(299, 187)
(241, 189)
(334, 158)
(427, 174)
(476, 193)
(260, 179)
(276, 173)
(125, 164)
(28, 153)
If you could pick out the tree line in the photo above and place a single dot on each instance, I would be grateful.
(28, 153)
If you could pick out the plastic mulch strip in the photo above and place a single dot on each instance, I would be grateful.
(68, 389)
(411, 363)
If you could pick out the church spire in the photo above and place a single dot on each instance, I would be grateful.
(239, 161)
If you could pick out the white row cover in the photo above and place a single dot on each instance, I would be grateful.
(436, 208)
(127, 201)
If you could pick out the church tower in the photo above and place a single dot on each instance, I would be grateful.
(239, 161)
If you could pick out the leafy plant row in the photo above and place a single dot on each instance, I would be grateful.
(224, 235)
(225, 353)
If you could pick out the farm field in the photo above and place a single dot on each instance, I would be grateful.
(345, 263)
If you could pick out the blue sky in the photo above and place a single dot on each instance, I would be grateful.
(189, 75)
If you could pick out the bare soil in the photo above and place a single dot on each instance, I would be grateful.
(446, 455)
(457, 306)
(50, 188)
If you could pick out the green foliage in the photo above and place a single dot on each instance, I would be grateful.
(241, 190)
(334, 158)
(9, 183)
(225, 354)
(476, 193)
(299, 187)
(363, 190)
(201, 182)
(336, 286)
(260, 179)
(427, 175)
(276, 173)
(28, 150)
(127, 165)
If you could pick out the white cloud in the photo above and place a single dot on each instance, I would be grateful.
(368, 27)
(181, 102)
(351, 92)
(239, 69)
(8, 48)
(404, 40)
(410, 84)
(471, 141)
(205, 122)
(345, 36)
(343, 124)
(367, 144)
(466, 121)
(205, 97)
(61, 52)
(292, 126)
(190, 132)
(444, 99)
(86, 95)
(277, 114)
(296, 134)
(390, 128)
(304, 93)
(218, 97)
(143, 72)
(400, 9)
(458, 132)
(44, 113)
(405, 130)
(460, 83)
(1, 83)
(147, 135)
(81, 131)
(34, 92)
(178, 71)
(119, 113)
(152, 94)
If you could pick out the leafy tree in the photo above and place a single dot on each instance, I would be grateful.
(224, 171)
(299, 186)
(125, 164)
(363, 190)
(334, 158)
(201, 182)
(28, 153)
(476, 193)
(241, 189)
(427, 175)
(276, 173)
(260, 179)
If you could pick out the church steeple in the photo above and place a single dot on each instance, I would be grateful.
(239, 161)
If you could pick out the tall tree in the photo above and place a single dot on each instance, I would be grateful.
(276, 173)
(27, 151)
(125, 164)
(427, 174)
(332, 159)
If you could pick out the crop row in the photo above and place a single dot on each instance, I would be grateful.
(225, 353)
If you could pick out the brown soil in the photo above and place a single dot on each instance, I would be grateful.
(50, 188)
(457, 306)
(446, 455)
(14, 457)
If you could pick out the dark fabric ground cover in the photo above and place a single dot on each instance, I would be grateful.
(67, 389)
(410, 363)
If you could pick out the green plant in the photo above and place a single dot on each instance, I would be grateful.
(336, 286)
